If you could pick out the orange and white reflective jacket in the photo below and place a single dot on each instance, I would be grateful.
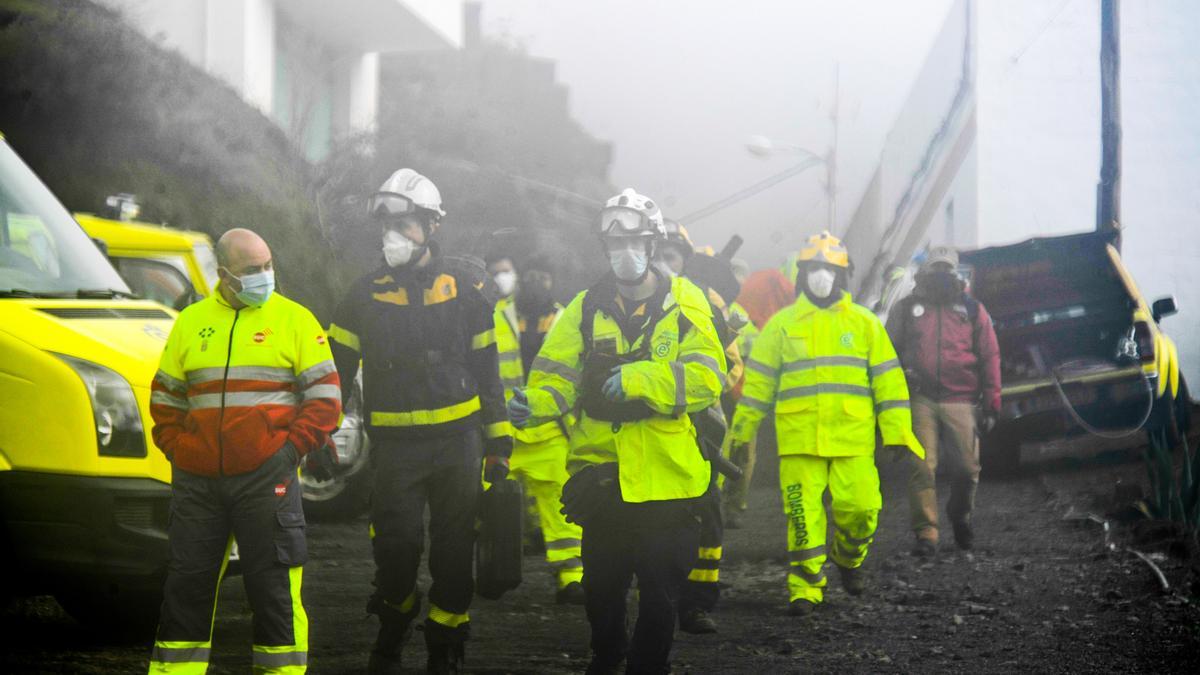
(234, 385)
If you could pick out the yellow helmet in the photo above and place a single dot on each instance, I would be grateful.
(825, 248)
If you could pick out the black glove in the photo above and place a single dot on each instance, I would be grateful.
(495, 468)
(321, 464)
(591, 492)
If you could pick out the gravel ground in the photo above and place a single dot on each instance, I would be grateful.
(1040, 593)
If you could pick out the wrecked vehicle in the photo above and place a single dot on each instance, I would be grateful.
(1081, 349)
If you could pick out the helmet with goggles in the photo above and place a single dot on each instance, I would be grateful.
(405, 192)
(630, 214)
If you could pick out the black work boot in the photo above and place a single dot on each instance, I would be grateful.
(801, 608)
(445, 659)
(386, 654)
(395, 628)
(571, 594)
(852, 580)
(925, 548)
(446, 647)
(964, 536)
(598, 667)
(697, 622)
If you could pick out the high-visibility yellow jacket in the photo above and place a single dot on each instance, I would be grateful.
(658, 458)
(234, 385)
(509, 328)
(831, 374)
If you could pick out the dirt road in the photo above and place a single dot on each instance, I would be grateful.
(1039, 594)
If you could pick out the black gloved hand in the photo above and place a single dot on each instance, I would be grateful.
(321, 464)
(495, 468)
(590, 492)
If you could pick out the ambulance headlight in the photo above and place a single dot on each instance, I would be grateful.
(119, 431)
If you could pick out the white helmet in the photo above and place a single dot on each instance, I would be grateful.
(405, 192)
(631, 214)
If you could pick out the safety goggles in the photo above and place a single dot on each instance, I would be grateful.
(617, 221)
(390, 205)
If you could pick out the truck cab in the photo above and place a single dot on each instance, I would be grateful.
(84, 493)
(1081, 349)
(173, 267)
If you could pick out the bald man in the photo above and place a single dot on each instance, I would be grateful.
(246, 387)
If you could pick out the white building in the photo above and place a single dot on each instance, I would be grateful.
(312, 66)
(1000, 141)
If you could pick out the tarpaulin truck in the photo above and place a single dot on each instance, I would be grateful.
(84, 494)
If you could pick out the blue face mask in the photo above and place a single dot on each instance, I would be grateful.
(628, 264)
(256, 288)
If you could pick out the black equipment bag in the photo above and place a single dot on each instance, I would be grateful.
(498, 547)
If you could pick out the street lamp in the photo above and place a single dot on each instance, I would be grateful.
(761, 146)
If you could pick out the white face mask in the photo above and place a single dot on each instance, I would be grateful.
(820, 282)
(506, 282)
(627, 263)
(397, 248)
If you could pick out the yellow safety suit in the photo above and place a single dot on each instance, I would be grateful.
(832, 376)
(539, 458)
(658, 458)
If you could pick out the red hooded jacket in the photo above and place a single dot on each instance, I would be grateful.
(948, 350)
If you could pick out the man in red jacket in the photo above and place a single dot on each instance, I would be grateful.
(246, 388)
(948, 348)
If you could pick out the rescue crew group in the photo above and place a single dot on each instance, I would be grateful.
(593, 407)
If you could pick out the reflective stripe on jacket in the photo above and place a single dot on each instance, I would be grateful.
(658, 457)
(509, 328)
(234, 385)
(426, 341)
(831, 375)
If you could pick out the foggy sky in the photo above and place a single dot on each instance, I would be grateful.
(678, 87)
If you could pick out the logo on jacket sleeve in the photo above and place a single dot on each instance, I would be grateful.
(918, 310)
(281, 490)
(320, 338)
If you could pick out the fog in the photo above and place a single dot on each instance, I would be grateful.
(679, 87)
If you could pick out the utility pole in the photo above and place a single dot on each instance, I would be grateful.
(831, 158)
(1108, 191)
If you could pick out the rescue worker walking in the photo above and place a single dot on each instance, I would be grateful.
(434, 408)
(636, 352)
(948, 348)
(523, 318)
(829, 370)
(246, 388)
